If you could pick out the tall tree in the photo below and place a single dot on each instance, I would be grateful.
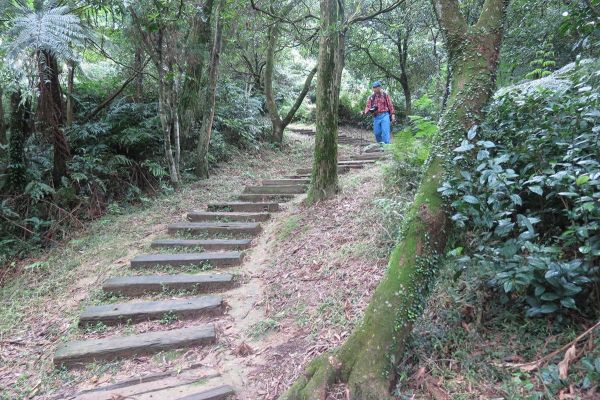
(332, 52)
(324, 179)
(196, 56)
(278, 123)
(210, 96)
(47, 33)
(366, 360)
(159, 30)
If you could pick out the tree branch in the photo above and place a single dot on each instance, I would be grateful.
(292, 111)
(113, 96)
(382, 10)
(490, 18)
(381, 67)
(451, 21)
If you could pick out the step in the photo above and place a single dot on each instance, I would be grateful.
(206, 245)
(233, 228)
(292, 181)
(368, 156)
(219, 393)
(374, 149)
(299, 176)
(222, 259)
(112, 314)
(159, 385)
(85, 351)
(281, 197)
(350, 163)
(355, 166)
(138, 285)
(196, 216)
(273, 189)
(244, 206)
(308, 171)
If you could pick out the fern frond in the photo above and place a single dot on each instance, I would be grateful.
(53, 29)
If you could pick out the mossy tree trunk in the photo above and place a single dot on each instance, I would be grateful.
(278, 123)
(209, 98)
(402, 46)
(366, 361)
(51, 112)
(324, 180)
(196, 56)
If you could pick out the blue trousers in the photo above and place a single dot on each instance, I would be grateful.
(381, 127)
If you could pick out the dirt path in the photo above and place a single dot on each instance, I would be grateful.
(250, 334)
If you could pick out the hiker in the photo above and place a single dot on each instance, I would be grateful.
(380, 105)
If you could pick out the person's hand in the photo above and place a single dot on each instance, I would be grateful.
(393, 118)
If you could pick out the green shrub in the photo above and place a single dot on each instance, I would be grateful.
(527, 193)
(348, 111)
(411, 147)
(239, 117)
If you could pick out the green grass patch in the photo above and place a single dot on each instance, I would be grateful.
(289, 226)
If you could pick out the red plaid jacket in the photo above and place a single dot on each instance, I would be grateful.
(383, 102)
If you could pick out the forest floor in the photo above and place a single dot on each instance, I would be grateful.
(327, 243)
(306, 281)
(40, 305)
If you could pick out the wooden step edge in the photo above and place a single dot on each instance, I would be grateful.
(196, 283)
(219, 393)
(225, 258)
(151, 383)
(207, 245)
(245, 206)
(81, 352)
(224, 216)
(114, 314)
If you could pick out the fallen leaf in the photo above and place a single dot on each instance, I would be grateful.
(243, 350)
(563, 366)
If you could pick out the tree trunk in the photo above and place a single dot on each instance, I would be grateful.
(403, 57)
(209, 99)
(197, 55)
(70, 83)
(139, 80)
(51, 113)
(324, 180)
(2, 122)
(366, 361)
(279, 124)
(19, 131)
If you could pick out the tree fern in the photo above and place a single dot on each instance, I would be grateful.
(51, 28)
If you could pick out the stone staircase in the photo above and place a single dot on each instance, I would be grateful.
(216, 238)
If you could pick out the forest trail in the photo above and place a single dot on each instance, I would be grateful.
(219, 306)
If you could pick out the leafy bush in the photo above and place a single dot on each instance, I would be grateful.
(349, 111)
(411, 147)
(239, 117)
(424, 105)
(527, 191)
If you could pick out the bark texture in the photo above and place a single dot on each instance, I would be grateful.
(197, 56)
(366, 362)
(70, 88)
(51, 112)
(324, 180)
(2, 122)
(209, 99)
